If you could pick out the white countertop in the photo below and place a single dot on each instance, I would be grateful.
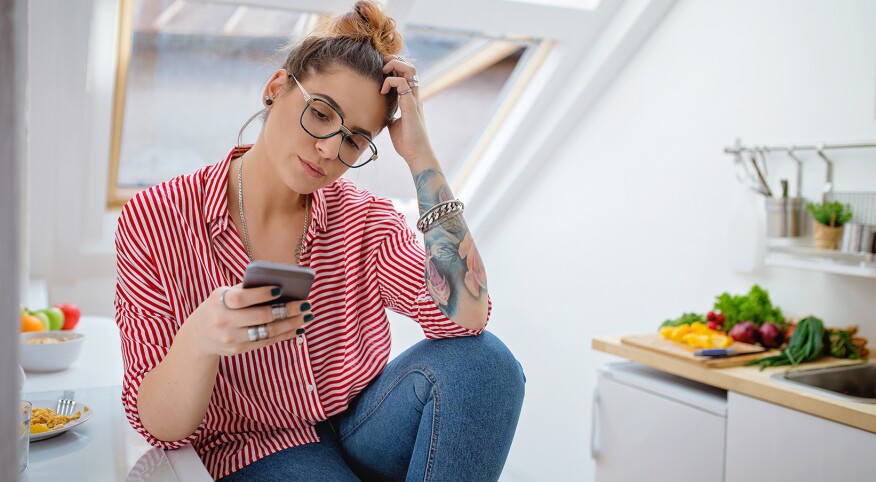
(104, 448)
(99, 365)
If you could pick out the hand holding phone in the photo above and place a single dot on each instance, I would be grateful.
(294, 281)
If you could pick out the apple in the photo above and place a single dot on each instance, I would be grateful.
(44, 318)
(56, 318)
(71, 315)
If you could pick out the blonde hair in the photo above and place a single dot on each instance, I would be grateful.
(357, 40)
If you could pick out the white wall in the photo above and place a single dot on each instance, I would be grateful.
(630, 222)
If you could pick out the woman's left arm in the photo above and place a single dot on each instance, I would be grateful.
(455, 274)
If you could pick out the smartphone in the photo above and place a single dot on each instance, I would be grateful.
(294, 281)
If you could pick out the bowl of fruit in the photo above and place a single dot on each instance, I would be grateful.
(48, 343)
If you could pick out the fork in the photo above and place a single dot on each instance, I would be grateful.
(66, 405)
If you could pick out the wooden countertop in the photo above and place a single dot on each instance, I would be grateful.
(752, 382)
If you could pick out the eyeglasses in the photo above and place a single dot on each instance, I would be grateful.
(322, 120)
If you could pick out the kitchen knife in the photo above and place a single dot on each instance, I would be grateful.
(715, 352)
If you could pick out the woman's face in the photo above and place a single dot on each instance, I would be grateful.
(290, 149)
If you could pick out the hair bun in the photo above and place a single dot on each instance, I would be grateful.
(367, 22)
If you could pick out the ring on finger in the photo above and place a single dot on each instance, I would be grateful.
(406, 92)
(414, 78)
(252, 333)
(222, 299)
(278, 311)
(263, 332)
(413, 83)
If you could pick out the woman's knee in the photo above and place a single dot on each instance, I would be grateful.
(487, 355)
(498, 357)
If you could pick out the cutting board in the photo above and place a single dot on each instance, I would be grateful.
(655, 342)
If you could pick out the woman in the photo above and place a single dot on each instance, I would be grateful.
(303, 391)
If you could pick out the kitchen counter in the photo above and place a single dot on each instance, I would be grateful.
(106, 447)
(752, 382)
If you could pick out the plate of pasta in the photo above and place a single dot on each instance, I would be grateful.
(46, 423)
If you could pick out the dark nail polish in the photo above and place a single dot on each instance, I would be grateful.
(308, 317)
(275, 291)
(299, 331)
(305, 306)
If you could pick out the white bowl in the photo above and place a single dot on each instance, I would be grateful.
(50, 357)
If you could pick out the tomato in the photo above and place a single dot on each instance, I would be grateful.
(719, 318)
(71, 315)
(711, 316)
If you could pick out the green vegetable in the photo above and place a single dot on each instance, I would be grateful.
(828, 213)
(684, 319)
(840, 343)
(806, 344)
(755, 307)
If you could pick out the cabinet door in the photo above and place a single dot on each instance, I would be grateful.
(767, 442)
(644, 436)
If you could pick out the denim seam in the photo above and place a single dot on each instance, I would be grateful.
(433, 440)
(385, 395)
(436, 412)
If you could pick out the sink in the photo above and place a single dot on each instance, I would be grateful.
(852, 383)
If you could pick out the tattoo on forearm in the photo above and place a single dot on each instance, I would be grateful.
(455, 274)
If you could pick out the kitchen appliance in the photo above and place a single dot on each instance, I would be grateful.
(645, 421)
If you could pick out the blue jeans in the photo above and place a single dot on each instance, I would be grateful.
(444, 410)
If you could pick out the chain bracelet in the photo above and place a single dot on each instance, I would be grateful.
(438, 214)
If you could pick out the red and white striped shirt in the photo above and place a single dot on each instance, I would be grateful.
(176, 243)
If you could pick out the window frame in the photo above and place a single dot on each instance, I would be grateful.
(491, 51)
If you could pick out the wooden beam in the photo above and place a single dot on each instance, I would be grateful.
(484, 58)
(532, 64)
(116, 198)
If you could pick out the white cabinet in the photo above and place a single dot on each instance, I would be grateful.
(768, 442)
(650, 425)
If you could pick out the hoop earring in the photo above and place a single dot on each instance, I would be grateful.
(245, 124)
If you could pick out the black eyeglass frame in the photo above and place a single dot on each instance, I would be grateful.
(344, 131)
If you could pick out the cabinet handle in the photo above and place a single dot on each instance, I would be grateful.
(594, 416)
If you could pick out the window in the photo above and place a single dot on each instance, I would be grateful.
(192, 78)
(463, 79)
(190, 74)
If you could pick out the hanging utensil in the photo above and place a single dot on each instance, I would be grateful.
(762, 153)
(749, 178)
(828, 183)
(799, 180)
(763, 184)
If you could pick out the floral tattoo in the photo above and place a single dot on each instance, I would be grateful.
(455, 273)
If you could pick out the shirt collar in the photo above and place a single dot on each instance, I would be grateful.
(216, 185)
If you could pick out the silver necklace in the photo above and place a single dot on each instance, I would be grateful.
(300, 247)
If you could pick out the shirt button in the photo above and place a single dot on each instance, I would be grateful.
(299, 340)
(309, 388)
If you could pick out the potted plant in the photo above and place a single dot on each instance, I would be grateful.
(830, 216)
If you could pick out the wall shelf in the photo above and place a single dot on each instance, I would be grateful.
(828, 261)
(800, 253)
